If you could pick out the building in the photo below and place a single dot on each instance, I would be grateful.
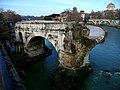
(110, 7)
(72, 15)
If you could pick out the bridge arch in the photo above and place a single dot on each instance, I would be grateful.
(34, 41)
(35, 46)
(97, 22)
(32, 38)
(100, 21)
(105, 22)
(20, 36)
(39, 39)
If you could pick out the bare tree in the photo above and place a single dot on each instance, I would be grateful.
(9, 15)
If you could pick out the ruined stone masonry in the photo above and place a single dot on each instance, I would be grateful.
(68, 38)
(75, 51)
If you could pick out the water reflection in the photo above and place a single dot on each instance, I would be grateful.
(39, 72)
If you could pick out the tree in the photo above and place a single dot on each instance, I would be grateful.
(87, 16)
(1, 14)
(118, 14)
(5, 33)
(47, 18)
(97, 15)
(9, 15)
(51, 17)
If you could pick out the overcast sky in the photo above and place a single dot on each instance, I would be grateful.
(46, 7)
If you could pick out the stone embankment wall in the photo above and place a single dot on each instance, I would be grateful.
(12, 73)
(96, 33)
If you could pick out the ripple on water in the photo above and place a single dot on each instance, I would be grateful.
(105, 61)
(102, 80)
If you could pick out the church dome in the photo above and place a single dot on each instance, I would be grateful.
(111, 6)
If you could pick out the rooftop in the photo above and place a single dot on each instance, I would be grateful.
(111, 5)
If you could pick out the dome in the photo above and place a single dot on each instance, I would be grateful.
(111, 5)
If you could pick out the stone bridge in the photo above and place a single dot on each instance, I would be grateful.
(60, 34)
(101, 21)
(51, 30)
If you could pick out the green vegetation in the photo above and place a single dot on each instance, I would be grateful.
(50, 17)
(9, 15)
(6, 32)
(86, 41)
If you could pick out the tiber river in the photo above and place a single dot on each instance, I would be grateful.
(104, 59)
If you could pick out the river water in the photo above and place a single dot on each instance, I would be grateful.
(104, 59)
(39, 73)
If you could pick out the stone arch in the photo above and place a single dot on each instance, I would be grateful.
(105, 22)
(39, 40)
(49, 36)
(20, 36)
(34, 38)
(97, 21)
(35, 46)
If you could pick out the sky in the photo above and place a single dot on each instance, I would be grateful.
(47, 7)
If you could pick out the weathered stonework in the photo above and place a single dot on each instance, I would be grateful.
(74, 60)
(66, 38)
(73, 46)
(68, 60)
(74, 49)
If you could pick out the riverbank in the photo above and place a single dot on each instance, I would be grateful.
(115, 26)
(96, 33)
(118, 26)
(10, 78)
